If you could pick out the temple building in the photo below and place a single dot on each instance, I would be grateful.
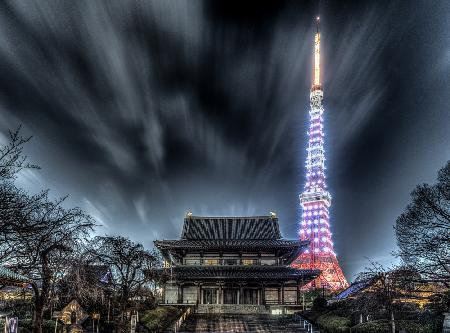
(234, 265)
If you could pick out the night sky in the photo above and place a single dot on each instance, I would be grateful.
(144, 110)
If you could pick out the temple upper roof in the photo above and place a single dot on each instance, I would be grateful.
(236, 228)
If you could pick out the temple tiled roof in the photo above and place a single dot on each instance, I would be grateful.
(255, 244)
(252, 227)
(11, 278)
(270, 273)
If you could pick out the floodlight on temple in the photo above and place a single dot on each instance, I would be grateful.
(315, 200)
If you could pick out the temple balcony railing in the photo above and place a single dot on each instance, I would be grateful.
(230, 262)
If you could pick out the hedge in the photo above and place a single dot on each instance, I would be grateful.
(160, 318)
(374, 326)
(25, 325)
(334, 324)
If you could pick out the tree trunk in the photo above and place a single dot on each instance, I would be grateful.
(41, 297)
(38, 314)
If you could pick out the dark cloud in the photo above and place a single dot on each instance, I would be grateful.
(142, 110)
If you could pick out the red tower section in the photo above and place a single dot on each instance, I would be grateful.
(315, 199)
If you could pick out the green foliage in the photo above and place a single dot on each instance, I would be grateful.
(334, 324)
(160, 318)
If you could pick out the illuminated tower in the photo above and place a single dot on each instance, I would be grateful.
(315, 199)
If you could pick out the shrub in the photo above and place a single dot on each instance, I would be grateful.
(319, 303)
(48, 325)
(381, 326)
(334, 324)
(160, 318)
(374, 326)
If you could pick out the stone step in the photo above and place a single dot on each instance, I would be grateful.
(202, 323)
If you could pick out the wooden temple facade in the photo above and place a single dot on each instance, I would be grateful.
(233, 264)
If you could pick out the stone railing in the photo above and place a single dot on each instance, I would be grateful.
(231, 308)
(176, 326)
(307, 326)
(446, 325)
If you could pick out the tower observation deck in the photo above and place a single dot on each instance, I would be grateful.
(315, 199)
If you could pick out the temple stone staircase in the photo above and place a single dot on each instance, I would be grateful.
(232, 309)
(202, 323)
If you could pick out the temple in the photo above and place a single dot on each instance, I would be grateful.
(233, 265)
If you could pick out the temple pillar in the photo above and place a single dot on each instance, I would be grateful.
(263, 294)
(298, 293)
(282, 293)
(278, 295)
(239, 295)
(199, 293)
(219, 291)
(179, 293)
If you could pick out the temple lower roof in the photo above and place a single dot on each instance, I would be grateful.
(261, 273)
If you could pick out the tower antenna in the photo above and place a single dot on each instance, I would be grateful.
(316, 83)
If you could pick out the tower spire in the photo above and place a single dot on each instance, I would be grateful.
(316, 83)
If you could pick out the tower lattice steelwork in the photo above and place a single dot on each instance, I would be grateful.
(315, 199)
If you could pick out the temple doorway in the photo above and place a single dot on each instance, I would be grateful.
(250, 296)
(209, 296)
(230, 296)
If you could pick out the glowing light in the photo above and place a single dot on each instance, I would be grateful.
(315, 199)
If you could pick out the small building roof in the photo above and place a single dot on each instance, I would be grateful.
(10, 278)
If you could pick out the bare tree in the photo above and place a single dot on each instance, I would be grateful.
(12, 159)
(36, 234)
(423, 230)
(85, 281)
(129, 263)
(384, 290)
(12, 199)
(43, 234)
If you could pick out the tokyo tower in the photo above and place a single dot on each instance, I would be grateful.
(315, 199)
